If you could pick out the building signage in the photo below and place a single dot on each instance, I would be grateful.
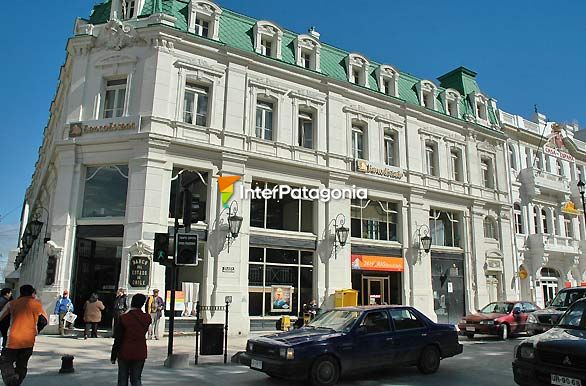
(229, 269)
(555, 144)
(569, 208)
(77, 129)
(140, 269)
(559, 154)
(385, 171)
(378, 263)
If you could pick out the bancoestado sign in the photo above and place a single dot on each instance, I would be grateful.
(77, 129)
(385, 171)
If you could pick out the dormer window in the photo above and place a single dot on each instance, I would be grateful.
(267, 39)
(481, 110)
(357, 67)
(307, 52)
(204, 19)
(427, 92)
(480, 102)
(388, 79)
(451, 100)
(129, 8)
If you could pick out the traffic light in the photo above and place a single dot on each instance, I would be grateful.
(186, 249)
(191, 204)
(161, 250)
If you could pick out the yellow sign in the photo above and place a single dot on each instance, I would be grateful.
(523, 274)
(570, 208)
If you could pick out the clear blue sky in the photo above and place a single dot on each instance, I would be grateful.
(525, 52)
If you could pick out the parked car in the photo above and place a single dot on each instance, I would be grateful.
(542, 320)
(351, 339)
(556, 357)
(498, 318)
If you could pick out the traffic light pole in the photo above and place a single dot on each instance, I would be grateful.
(174, 269)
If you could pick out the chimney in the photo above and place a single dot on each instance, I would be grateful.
(313, 33)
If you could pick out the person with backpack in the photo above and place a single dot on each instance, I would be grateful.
(28, 318)
(130, 348)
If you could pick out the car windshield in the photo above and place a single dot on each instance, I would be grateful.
(564, 299)
(575, 317)
(498, 308)
(338, 320)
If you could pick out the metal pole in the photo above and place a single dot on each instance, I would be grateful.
(174, 269)
(226, 335)
(197, 326)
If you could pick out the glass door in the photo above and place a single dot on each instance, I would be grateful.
(550, 289)
(377, 290)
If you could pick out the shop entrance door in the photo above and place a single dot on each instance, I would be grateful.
(377, 290)
(550, 289)
(448, 289)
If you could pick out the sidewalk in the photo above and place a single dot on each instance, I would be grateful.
(92, 363)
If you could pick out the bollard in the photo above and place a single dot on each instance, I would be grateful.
(66, 364)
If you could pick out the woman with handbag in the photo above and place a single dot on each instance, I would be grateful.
(130, 348)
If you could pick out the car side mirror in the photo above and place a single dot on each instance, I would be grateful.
(361, 330)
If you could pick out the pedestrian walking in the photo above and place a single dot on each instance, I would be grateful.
(120, 307)
(62, 307)
(5, 297)
(27, 319)
(92, 315)
(130, 348)
(155, 306)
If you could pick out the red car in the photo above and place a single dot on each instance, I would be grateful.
(498, 318)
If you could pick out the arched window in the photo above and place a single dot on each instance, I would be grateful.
(549, 272)
(518, 215)
(544, 221)
(490, 228)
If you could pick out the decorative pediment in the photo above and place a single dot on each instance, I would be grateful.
(116, 35)
(140, 248)
(115, 60)
(357, 60)
(486, 147)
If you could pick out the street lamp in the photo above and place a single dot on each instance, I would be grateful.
(234, 223)
(340, 233)
(582, 189)
(425, 240)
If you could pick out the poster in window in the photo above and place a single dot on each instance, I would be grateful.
(281, 298)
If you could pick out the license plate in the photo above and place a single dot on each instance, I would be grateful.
(470, 329)
(255, 364)
(564, 381)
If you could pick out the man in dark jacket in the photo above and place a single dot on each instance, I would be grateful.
(120, 307)
(5, 297)
(130, 348)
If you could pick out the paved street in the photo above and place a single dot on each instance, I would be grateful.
(484, 362)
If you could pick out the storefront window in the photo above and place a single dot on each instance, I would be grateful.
(105, 191)
(271, 270)
(374, 220)
(199, 191)
(286, 214)
(444, 228)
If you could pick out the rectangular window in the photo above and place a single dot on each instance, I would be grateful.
(306, 130)
(428, 100)
(202, 27)
(115, 98)
(269, 270)
(105, 191)
(358, 142)
(387, 86)
(306, 60)
(452, 108)
(266, 47)
(430, 159)
(518, 219)
(286, 214)
(130, 7)
(487, 173)
(481, 110)
(374, 220)
(264, 120)
(390, 148)
(444, 228)
(195, 105)
(568, 226)
(456, 165)
(356, 75)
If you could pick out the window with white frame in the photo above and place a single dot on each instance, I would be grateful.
(560, 167)
(579, 173)
(513, 157)
(428, 100)
(568, 227)
(548, 164)
(431, 158)
(539, 160)
(456, 164)
(528, 160)
(195, 104)
(306, 60)
(480, 103)
(268, 39)
(544, 221)
(490, 228)
(204, 18)
(358, 141)
(264, 120)
(536, 219)
(374, 220)
(115, 98)
(481, 110)
(202, 27)
(451, 101)
(487, 172)
(444, 228)
(452, 108)
(388, 78)
(356, 77)
(518, 216)
(307, 52)
(427, 93)
(357, 67)
(306, 129)
(390, 142)
(129, 8)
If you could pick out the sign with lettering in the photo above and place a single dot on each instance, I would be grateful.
(140, 269)
(555, 144)
(77, 129)
(378, 263)
(229, 269)
(364, 166)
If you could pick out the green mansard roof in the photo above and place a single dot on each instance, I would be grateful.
(236, 31)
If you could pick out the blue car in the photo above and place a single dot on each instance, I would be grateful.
(352, 339)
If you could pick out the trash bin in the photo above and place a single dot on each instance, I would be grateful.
(285, 323)
(212, 339)
(346, 298)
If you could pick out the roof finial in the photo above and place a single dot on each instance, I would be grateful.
(313, 32)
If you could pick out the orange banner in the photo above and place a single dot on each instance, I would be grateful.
(378, 263)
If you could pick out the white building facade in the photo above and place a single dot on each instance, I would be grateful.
(144, 95)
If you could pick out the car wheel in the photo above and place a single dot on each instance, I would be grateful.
(429, 360)
(324, 371)
(470, 336)
(505, 332)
